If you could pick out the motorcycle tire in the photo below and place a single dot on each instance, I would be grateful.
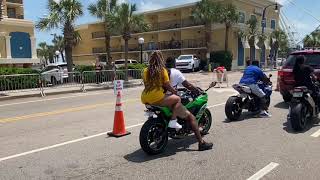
(298, 117)
(205, 122)
(230, 111)
(145, 136)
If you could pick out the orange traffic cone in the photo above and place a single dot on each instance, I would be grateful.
(119, 128)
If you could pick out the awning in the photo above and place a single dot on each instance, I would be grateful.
(245, 43)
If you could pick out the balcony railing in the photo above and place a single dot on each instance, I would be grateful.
(163, 45)
(158, 27)
(15, 1)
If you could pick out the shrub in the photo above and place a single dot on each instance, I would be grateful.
(18, 82)
(81, 68)
(222, 58)
(135, 66)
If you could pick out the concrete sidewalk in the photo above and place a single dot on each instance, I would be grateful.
(63, 89)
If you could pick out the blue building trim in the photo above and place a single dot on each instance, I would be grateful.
(20, 45)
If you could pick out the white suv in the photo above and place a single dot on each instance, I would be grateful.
(121, 62)
(188, 62)
(55, 73)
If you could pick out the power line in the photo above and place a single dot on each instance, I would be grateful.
(304, 9)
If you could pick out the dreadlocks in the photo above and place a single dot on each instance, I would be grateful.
(155, 70)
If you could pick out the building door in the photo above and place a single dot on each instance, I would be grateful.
(240, 53)
(20, 45)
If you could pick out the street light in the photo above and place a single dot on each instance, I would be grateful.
(264, 23)
(57, 54)
(141, 42)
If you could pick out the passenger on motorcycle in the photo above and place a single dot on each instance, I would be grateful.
(303, 75)
(178, 79)
(156, 81)
(251, 76)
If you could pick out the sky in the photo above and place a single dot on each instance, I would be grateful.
(302, 16)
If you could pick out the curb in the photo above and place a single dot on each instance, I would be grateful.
(5, 98)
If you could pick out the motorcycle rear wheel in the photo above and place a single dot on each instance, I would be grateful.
(233, 109)
(298, 117)
(205, 122)
(153, 136)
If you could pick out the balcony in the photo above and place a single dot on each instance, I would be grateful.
(15, 1)
(166, 25)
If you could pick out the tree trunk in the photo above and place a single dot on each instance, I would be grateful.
(68, 32)
(226, 42)
(107, 43)
(126, 45)
(252, 53)
(208, 37)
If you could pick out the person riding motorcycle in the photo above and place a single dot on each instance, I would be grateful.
(177, 79)
(251, 76)
(156, 80)
(304, 76)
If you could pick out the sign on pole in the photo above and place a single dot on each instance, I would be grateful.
(117, 86)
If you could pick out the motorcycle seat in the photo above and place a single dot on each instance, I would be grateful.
(153, 107)
(242, 88)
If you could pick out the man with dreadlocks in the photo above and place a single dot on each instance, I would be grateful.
(156, 80)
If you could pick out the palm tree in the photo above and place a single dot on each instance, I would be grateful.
(102, 9)
(312, 40)
(251, 35)
(125, 21)
(229, 17)
(58, 43)
(45, 52)
(281, 41)
(63, 15)
(207, 12)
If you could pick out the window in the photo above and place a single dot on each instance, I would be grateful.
(253, 17)
(242, 17)
(273, 24)
(311, 59)
(11, 13)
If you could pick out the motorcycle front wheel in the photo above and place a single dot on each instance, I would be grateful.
(233, 109)
(153, 136)
(298, 117)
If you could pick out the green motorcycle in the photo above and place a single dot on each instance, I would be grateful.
(155, 132)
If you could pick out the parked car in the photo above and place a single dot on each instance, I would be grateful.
(121, 62)
(285, 75)
(188, 62)
(55, 73)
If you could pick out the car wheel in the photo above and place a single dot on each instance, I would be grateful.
(287, 97)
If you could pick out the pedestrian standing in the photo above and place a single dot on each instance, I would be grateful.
(98, 68)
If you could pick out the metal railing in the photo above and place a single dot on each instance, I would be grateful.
(54, 81)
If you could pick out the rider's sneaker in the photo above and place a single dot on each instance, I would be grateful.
(174, 124)
(205, 146)
(265, 114)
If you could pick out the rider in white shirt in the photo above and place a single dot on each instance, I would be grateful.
(177, 79)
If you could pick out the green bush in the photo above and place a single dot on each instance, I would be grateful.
(13, 70)
(222, 58)
(18, 82)
(135, 66)
(81, 68)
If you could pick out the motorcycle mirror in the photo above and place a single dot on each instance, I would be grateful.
(270, 75)
(213, 84)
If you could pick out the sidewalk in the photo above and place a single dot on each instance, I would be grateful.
(64, 89)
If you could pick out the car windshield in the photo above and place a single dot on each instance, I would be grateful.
(184, 57)
(119, 62)
(311, 59)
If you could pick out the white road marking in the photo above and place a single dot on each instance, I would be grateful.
(316, 134)
(61, 144)
(263, 171)
(72, 141)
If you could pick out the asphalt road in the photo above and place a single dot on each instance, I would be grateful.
(64, 137)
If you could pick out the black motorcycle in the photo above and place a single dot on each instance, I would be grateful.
(302, 108)
(246, 100)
